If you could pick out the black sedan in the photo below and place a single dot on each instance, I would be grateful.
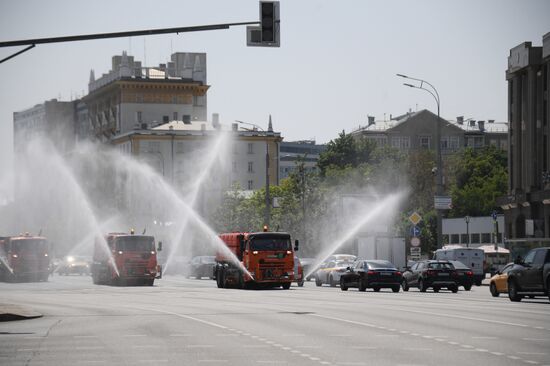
(431, 273)
(465, 275)
(375, 274)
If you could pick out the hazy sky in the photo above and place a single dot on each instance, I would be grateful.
(336, 64)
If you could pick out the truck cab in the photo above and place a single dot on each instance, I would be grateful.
(268, 257)
(125, 259)
(24, 258)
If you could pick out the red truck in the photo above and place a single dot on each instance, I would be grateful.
(126, 259)
(24, 258)
(267, 256)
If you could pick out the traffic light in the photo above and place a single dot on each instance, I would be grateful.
(267, 21)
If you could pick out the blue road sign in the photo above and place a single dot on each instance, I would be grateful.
(415, 231)
(494, 215)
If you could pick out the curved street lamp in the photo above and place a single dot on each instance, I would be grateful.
(439, 181)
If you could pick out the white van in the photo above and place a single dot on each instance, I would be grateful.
(471, 257)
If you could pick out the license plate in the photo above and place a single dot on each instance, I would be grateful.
(442, 274)
(385, 274)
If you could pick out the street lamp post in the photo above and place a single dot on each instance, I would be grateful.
(439, 180)
(467, 219)
(267, 197)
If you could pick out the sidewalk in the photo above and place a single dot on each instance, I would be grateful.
(9, 312)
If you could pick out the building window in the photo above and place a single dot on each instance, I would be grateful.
(475, 238)
(454, 142)
(444, 143)
(464, 238)
(165, 119)
(250, 184)
(250, 148)
(139, 117)
(250, 167)
(401, 142)
(154, 146)
(424, 142)
(454, 239)
(486, 238)
(175, 116)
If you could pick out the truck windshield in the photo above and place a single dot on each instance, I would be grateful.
(135, 244)
(270, 244)
(24, 245)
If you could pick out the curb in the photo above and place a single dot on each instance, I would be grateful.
(11, 312)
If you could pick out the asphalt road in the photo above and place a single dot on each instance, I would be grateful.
(191, 322)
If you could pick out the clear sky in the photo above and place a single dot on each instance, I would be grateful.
(336, 64)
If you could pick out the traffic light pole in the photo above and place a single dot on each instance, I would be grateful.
(147, 32)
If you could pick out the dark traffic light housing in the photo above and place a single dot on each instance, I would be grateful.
(267, 21)
(268, 33)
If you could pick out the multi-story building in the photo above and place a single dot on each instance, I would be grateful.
(52, 119)
(416, 130)
(130, 95)
(296, 153)
(177, 150)
(527, 206)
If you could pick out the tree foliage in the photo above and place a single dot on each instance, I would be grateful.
(479, 177)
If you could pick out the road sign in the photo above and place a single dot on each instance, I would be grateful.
(443, 202)
(415, 242)
(494, 215)
(415, 231)
(415, 218)
(415, 250)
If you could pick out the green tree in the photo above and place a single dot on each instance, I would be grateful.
(345, 151)
(479, 177)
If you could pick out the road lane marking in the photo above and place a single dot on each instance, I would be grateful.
(182, 316)
(532, 353)
(484, 338)
(213, 361)
(535, 339)
(467, 318)
(312, 347)
(200, 346)
(531, 362)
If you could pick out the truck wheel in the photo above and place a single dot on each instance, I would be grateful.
(362, 285)
(395, 288)
(436, 289)
(513, 291)
(454, 289)
(331, 281)
(493, 289)
(478, 282)
(467, 287)
(405, 285)
(301, 283)
(376, 289)
(285, 285)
